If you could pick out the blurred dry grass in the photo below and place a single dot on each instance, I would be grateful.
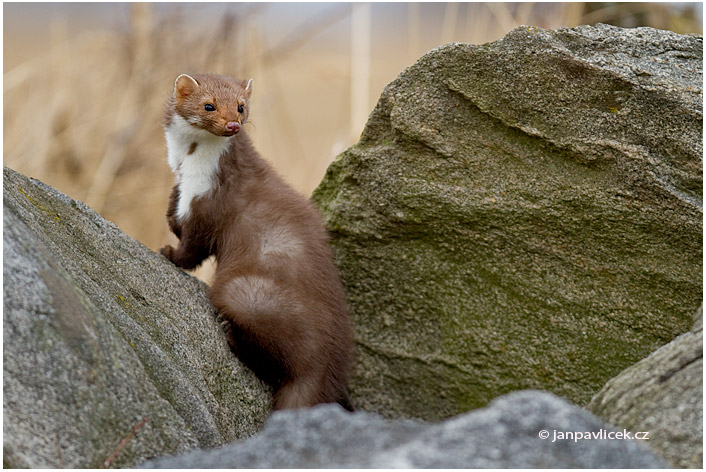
(85, 114)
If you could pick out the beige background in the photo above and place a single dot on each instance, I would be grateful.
(85, 84)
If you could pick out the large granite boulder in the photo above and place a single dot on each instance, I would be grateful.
(111, 354)
(507, 434)
(663, 394)
(522, 214)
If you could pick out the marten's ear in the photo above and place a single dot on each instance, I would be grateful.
(185, 85)
(248, 89)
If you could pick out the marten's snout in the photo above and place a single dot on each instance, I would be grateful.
(233, 126)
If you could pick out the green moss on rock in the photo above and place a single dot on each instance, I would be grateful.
(498, 229)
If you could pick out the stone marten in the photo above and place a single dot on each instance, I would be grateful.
(275, 284)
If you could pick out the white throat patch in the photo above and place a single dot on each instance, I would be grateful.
(193, 155)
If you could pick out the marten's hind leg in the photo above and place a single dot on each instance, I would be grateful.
(267, 333)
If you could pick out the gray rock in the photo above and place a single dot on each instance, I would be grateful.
(503, 435)
(662, 394)
(521, 214)
(106, 342)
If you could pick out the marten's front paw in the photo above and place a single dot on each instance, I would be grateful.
(168, 252)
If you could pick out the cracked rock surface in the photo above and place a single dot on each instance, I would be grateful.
(521, 214)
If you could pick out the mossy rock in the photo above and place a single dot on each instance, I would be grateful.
(521, 214)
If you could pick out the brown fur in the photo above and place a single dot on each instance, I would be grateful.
(275, 281)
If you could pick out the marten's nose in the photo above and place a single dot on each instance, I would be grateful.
(233, 126)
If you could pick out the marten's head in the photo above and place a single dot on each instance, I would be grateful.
(215, 103)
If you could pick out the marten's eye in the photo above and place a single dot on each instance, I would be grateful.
(209, 107)
(240, 108)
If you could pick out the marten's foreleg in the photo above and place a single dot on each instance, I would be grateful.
(174, 224)
(192, 249)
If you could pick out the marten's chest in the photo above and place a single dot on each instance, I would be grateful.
(193, 154)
